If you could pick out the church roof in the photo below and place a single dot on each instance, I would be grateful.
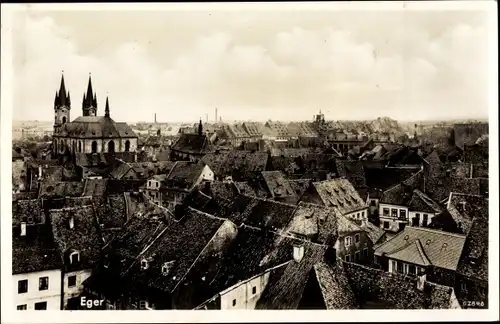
(96, 127)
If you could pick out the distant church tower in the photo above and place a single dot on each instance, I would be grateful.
(89, 103)
(62, 107)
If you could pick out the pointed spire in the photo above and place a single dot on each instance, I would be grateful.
(95, 100)
(56, 100)
(69, 100)
(62, 91)
(90, 92)
(106, 111)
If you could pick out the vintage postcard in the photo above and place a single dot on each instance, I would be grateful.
(272, 161)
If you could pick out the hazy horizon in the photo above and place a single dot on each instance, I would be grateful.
(255, 65)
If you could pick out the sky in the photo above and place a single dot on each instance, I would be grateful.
(254, 64)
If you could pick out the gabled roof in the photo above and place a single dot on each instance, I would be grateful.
(464, 208)
(193, 144)
(96, 127)
(61, 189)
(428, 246)
(251, 188)
(339, 194)
(300, 186)
(186, 171)
(420, 202)
(111, 212)
(474, 260)
(145, 169)
(375, 289)
(95, 187)
(24, 209)
(352, 170)
(401, 194)
(313, 220)
(335, 288)
(277, 184)
(84, 237)
(238, 164)
(286, 286)
(262, 213)
(374, 232)
(36, 251)
(386, 177)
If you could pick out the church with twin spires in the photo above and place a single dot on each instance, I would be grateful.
(88, 133)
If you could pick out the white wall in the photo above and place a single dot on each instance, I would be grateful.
(52, 295)
(394, 221)
(70, 292)
(243, 293)
(359, 215)
(206, 174)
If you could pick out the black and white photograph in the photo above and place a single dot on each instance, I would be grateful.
(266, 156)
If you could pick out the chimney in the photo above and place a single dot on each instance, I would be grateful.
(135, 156)
(155, 118)
(298, 252)
(23, 229)
(215, 114)
(39, 171)
(421, 278)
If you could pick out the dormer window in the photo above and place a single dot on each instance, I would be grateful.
(166, 267)
(71, 222)
(144, 264)
(23, 229)
(74, 257)
(348, 241)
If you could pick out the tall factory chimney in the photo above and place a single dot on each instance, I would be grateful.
(215, 114)
(155, 118)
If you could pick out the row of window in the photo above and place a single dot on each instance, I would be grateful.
(394, 212)
(348, 239)
(360, 215)
(43, 284)
(38, 306)
(78, 148)
(404, 268)
(357, 255)
(22, 285)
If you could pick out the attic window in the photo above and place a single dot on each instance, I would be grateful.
(427, 242)
(166, 267)
(406, 238)
(144, 264)
(71, 222)
(74, 257)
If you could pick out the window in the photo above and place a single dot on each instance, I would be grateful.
(356, 238)
(386, 212)
(356, 256)
(424, 221)
(386, 224)
(157, 184)
(402, 213)
(71, 281)
(394, 212)
(41, 306)
(127, 146)
(111, 146)
(22, 307)
(412, 270)
(234, 302)
(373, 202)
(347, 258)
(393, 266)
(348, 241)
(362, 214)
(94, 147)
(143, 304)
(74, 257)
(144, 265)
(254, 290)
(43, 283)
(400, 267)
(365, 253)
(357, 215)
(22, 286)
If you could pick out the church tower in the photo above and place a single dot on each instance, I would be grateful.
(89, 103)
(62, 106)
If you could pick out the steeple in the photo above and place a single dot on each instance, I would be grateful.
(62, 95)
(89, 103)
(106, 111)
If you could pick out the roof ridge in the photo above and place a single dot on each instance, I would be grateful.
(436, 231)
